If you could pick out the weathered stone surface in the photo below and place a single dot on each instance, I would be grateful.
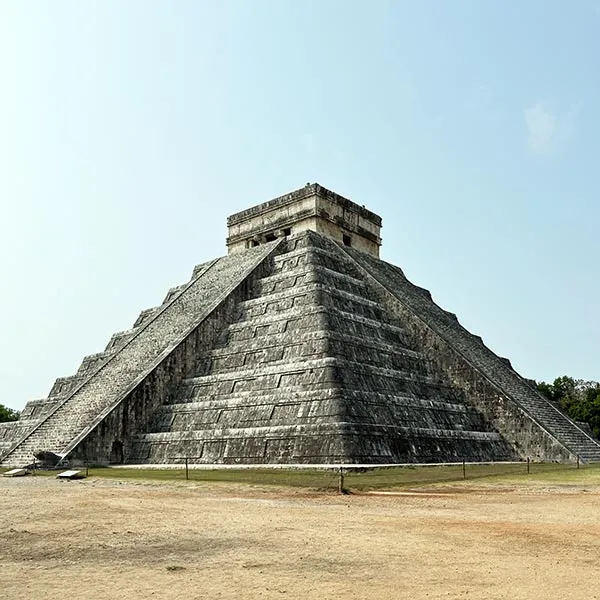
(314, 370)
(70, 475)
(8, 433)
(16, 473)
(534, 426)
(301, 350)
(91, 399)
(47, 458)
(310, 208)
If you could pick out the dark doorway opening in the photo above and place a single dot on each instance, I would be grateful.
(116, 453)
(347, 240)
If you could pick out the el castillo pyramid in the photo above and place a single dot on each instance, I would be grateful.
(299, 347)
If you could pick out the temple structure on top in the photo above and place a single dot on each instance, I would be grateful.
(300, 346)
(311, 208)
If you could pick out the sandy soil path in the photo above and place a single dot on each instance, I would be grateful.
(103, 539)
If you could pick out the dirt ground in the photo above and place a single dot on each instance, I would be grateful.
(105, 539)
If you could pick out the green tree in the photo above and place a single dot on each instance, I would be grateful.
(8, 414)
(578, 398)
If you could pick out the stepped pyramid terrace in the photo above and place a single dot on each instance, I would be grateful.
(299, 346)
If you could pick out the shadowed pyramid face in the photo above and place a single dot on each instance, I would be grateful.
(303, 349)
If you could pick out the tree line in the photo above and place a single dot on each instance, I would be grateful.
(8, 414)
(578, 398)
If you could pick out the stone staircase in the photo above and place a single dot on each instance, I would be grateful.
(496, 369)
(80, 402)
(313, 370)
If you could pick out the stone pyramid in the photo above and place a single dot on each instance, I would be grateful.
(300, 346)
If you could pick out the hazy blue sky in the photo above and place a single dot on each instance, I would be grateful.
(130, 130)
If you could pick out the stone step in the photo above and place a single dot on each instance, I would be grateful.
(279, 368)
(302, 337)
(274, 356)
(302, 251)
(326, 447)
(119, 339)
(299, 392)
(63, 386)
(313, 295)
(300, 395)
(313, 288)
(146, 316)
(275, 412)
(237, 355)
(313, 254)
(313, 318)
(200, 269)
(93, 362)
(314, 372)
(173, 292)
(294, 430)
(304, 274)
(35, 409)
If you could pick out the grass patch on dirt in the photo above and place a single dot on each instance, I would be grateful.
(416, 476)
(384, 478)
(370, 479)
(309, 478)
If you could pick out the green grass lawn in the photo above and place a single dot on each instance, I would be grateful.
(487, 474)
(374, 479)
